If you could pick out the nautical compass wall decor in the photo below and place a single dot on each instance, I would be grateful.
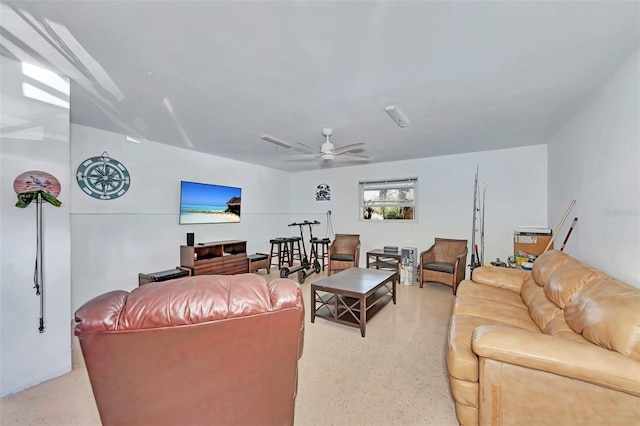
(103, 177)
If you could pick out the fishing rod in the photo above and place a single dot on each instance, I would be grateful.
(482, 207)
(475, 261)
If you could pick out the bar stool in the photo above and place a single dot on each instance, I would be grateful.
(320, 251)
(279, 252)
(294, 250)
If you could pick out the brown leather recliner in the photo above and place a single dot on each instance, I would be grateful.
(198, 350)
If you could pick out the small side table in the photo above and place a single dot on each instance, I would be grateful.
(171, 274)
(386, 260)
(259, 261)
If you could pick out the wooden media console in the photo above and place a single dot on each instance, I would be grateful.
(218, 257)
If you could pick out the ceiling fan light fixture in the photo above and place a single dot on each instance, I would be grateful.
(327, 156)
(276, 141)
(397, 116)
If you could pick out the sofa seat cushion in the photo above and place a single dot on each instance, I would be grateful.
(461, 360)
(439, 267)
(517, 316)
(489, 292)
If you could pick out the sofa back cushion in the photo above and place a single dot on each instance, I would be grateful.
(189, 300)
(567, 280)
(541, 309)
(558, 327)
(607, 313)
(555, 278)
(547, 263)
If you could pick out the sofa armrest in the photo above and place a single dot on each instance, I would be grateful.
(581, 361)
(507, 278)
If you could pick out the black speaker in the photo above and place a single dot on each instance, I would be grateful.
(190, 238)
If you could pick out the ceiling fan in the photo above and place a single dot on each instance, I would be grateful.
(328, 152)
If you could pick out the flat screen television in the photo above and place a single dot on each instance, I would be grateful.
(204, 203)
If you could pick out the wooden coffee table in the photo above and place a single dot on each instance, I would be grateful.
(353, 296)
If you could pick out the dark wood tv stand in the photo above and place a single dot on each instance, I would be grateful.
(219, 257)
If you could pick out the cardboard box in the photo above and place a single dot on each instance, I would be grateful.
(529, 244)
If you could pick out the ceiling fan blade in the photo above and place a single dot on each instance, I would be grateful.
(351, 155)
(301, 157)
(346, 148)
(309, 146)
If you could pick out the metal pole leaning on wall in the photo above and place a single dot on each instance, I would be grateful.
(553, 237)
(573, 224)
(39, 197)
(38, 273)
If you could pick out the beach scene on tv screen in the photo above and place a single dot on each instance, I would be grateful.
(203, 203)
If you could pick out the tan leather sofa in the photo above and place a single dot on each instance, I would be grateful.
(199, 350)
(558, 345)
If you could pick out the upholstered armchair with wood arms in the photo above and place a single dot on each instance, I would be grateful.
(344, 252)
(445, 262)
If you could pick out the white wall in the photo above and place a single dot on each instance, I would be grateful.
(595, 159)
(114, 240)
(516, 195)
(35, 136)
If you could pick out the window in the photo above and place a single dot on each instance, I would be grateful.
(390, 199)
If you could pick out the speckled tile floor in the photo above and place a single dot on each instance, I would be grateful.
(396, 375)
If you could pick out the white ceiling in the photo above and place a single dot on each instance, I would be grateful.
(213, 76)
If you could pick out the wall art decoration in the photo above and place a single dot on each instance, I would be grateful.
(323, 192)
(35, 180)
(103, 177)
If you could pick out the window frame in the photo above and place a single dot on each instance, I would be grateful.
(391, 183)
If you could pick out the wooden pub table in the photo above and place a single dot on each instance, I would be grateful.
(353, 296)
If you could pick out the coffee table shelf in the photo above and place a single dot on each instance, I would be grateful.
(354, 296)
(375, 303)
